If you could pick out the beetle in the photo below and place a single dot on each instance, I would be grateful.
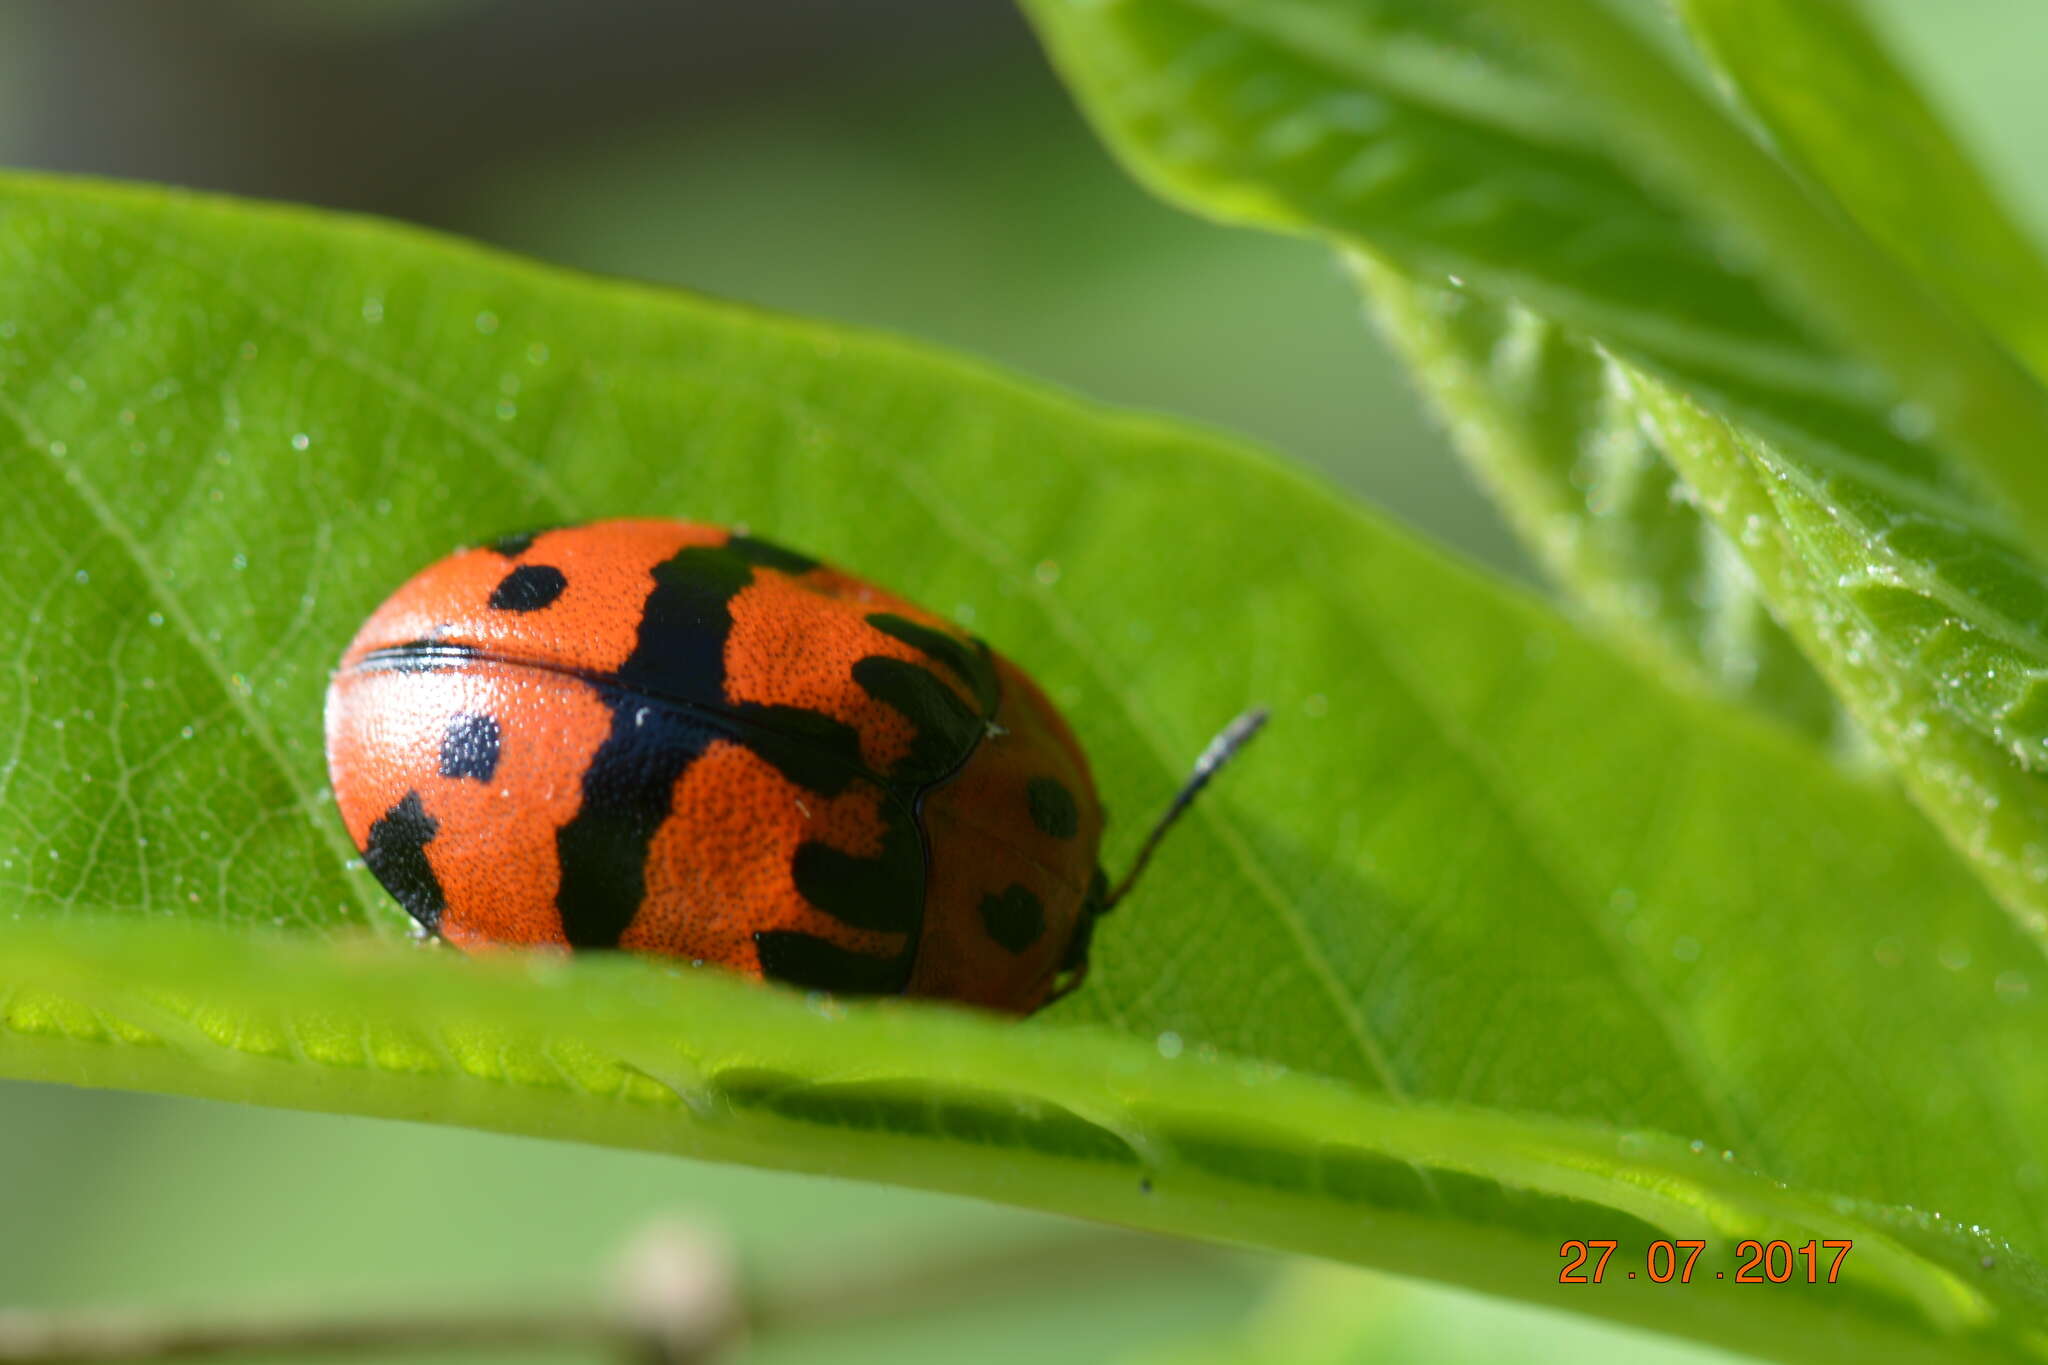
(680, 739)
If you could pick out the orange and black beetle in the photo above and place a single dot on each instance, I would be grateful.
(679, 739)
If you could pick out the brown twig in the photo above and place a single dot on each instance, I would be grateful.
(679, 1305)
(49, 1339)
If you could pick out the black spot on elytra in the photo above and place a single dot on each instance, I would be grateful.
(1052, 807)
(813, 963)
(396, 855)
(1015, 919)
(519, 543)
(969, 660)
(529, 587)
(946, 728)
(769, 555)
(470, 748)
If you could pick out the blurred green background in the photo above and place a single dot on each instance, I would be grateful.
(906, 164)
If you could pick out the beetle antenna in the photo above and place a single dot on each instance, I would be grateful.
(1221, 750)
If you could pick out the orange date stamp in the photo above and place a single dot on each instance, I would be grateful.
(1675, 1262)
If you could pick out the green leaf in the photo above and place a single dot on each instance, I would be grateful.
(628, 1053)
(1924, 617)
(1992, 415)
(1622, 208)
(1595, 186)
(1543, 420)
(1491, 942)
(1838, 106)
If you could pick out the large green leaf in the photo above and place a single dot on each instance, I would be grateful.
(1597, 186)
(1839, 107)
(1542, 417)
(625, 1053)
(1493, 941)
(1990, 413)
(1573, 172)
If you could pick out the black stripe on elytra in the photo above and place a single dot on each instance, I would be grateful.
(769, 555)
(969, 659)
(947, 728)
(470, 747)
(883, 893)
(628, 790)
(816, 964)
(814, 751)
(684, 625)
(396, 854)
(684, 630)
(1052, 807)
(1015, 918)
(629, 784)
(530, 587)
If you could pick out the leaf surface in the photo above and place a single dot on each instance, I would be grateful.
(1491, 918)
(1552, 159)
(1838, 105)
(1546, 421)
